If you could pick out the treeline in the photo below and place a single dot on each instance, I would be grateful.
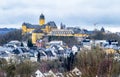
(98, 35)
(95, 63)
(14, 69)
(12, 35)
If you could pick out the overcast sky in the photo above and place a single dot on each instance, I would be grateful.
(80, 13)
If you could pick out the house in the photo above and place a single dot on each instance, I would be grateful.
(100, 43)
(61, 49)
(5, 49)
(43, 55)
(38, 73)
(87, 43)
(33, 55)
(74, 73)
(6, 53)
(13, 44)
(40, 43)
(20, 50)
(77, 72)
(59, 75)
(113, 44)
(54, 47)
(50, 54)
(51, 74)
(75, 49)
(8, 56)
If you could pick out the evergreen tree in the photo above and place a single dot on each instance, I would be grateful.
(38, 57)
(70, 61)
(29, 43)
(22, 44)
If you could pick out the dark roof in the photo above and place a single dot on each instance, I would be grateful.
(24, 50)
(42, 54)
(28, 25)
(102, 29)
(49, 53)
(55, 46)
(42, 16)
(38, 30)
(89, 32)
(75, 29)
(16, 51)
(52, 24)
(39, 27)
(84, 31)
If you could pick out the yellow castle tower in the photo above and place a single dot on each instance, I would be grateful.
(41, 20)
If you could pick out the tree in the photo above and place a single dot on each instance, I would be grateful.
(11, 70)
(38, 57)
(29, 43)
(95, 62)
(88, 60)
(26, 69)
(69, 62)
(3, 62)
(12, 35)
(104, 68)
(22, 44)
(98, 35)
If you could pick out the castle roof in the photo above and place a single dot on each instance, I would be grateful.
(28, 25)
(52, 24)
(42, 16)
(38, 30)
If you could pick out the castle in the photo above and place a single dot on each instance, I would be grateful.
(49, 29)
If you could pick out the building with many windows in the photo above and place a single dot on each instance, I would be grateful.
(48, 29)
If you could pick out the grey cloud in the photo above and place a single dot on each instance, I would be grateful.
(72, 12)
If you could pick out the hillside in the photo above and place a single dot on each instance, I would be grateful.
(6, 30)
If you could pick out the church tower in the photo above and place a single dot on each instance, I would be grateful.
(41, 20)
